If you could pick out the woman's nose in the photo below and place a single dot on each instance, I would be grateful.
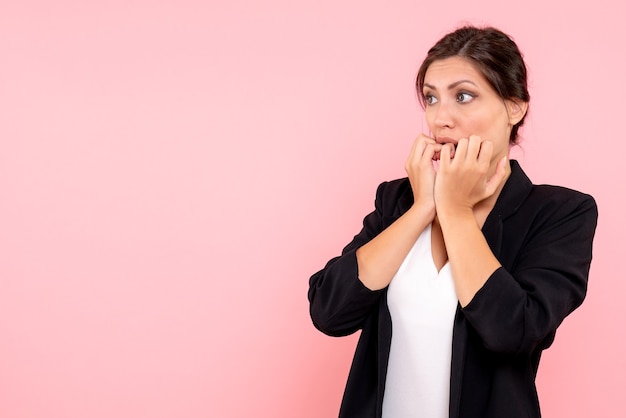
(443, 116)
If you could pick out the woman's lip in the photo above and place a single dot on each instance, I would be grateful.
(446, 140)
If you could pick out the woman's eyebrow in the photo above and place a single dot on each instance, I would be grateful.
(451, 86)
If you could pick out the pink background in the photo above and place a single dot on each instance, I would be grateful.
(172, 172)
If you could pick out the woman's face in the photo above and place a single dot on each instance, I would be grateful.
(460, 102)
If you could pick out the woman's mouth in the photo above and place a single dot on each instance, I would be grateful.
(444, 141)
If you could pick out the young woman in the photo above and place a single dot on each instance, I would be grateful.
(464, 270)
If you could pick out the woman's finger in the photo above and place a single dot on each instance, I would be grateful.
(473, 147)
(485, 153)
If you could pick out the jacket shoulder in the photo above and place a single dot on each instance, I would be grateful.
(395, 187)
(394, 194)
(557, 197)
(554, 211)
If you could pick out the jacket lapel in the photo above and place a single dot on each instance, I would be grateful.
(513, 194)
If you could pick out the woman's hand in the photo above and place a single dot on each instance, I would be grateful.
(421, 173)
(465, 191)
(468, 178)
(379, 260)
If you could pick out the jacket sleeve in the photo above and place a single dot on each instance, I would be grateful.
(339, 301)
(518, 310)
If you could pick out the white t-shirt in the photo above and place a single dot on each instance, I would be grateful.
(422, 303)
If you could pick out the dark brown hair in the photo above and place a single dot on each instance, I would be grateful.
(494, 54)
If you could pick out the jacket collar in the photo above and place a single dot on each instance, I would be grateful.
(515, 190)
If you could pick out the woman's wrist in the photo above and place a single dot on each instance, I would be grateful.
(450, 215)
(422, 210)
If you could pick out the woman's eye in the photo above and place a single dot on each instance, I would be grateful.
(464, 97)
(430, 99)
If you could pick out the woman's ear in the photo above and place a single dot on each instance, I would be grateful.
(516, 109)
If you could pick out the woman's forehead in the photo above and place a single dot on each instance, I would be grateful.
(443, 72)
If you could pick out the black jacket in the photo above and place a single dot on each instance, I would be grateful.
(542, 236)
